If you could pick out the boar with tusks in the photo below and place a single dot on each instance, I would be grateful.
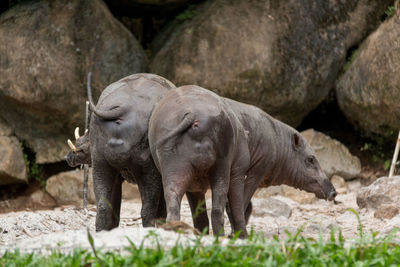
(117, 147)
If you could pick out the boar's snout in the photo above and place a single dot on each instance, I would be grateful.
(332, 195)
(329, 190)
(70, 158)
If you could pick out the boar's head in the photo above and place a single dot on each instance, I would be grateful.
(80, 152)
(306, 171)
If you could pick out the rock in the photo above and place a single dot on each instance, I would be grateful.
(297, 195)
(271, 207)
(292, 204)
(368, 92)
(267, 192)
(38, 199)
(159, 8)
(281, 56)
(385, 190)
(354, 185)
(386, 211)
(130, 191)
(320, 223)
(12, 163)
(347, 218)
(5, 130)
(294, 194)
(67, 188)
(41, 199)
(47, 49)
(340, 184)
(392, 226)
(179, 227)
(333, 156)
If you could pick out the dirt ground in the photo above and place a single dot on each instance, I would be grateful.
(66, 227)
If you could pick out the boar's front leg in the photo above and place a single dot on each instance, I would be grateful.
(219, 182)
(254, 178)
(235, 197)
(107, 189)
(116, 197)
(150, 188)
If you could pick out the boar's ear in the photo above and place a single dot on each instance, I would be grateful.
(296, 140)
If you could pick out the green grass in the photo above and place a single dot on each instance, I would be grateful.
(295, 250)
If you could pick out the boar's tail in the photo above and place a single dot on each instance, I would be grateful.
(104, 114)
(187, 121)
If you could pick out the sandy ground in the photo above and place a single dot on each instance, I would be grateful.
(66, 227)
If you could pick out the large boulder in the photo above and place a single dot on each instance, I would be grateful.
(386, 211)
(368, 92)
(138, 8)
(5, 129)
(292, 193)
(37, 199)
(383, 191)
(271, 207)
(282, 56)
(67, 188)
(47, 48)
(333, 156)
(12, 162)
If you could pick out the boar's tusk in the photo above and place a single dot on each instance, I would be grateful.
(71, 145)
(76, 133)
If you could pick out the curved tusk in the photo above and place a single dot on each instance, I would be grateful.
(71, 145)
(76, 133)
(86, 131)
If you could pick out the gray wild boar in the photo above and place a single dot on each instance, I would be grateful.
(200, 140)
(117, 147)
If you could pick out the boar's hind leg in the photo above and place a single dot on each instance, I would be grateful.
(106, 180)
(162, 208)
(173, 192)
(176, 175)
(150, 188)
(198, 208)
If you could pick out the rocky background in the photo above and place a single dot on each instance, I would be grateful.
(330, 65)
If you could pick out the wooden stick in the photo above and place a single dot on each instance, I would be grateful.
(86, 166)
(395, 155)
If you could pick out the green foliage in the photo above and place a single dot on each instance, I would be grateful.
(390, 11)
(189, 13)
(387, 164)
(199, 208)
(294, 250)
(34, 171)
(350, 59)
(378, 154)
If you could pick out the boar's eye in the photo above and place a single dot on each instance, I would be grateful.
(310, 161)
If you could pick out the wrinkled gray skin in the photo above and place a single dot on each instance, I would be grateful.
(200, 140)
(119, 147)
